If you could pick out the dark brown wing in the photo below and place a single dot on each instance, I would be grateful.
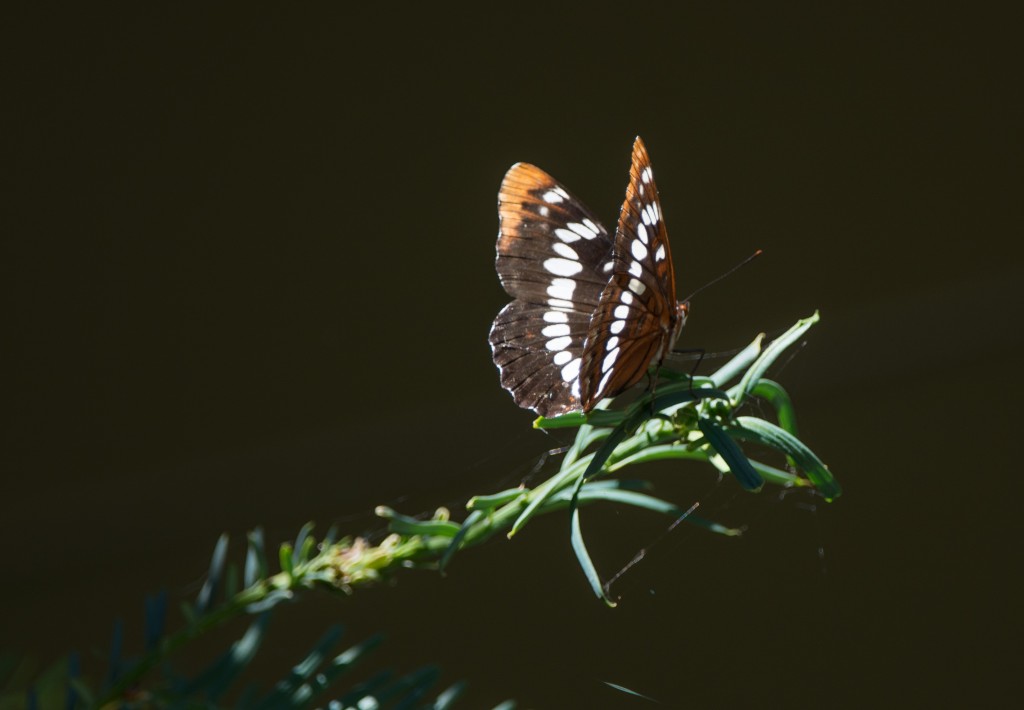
(554, 260)
(635, 320)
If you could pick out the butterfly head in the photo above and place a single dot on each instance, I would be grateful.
(682, 310)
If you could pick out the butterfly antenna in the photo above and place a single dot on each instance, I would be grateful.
(722, 276)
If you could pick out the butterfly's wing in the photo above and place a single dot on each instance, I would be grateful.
(636, 318)
(554, 260)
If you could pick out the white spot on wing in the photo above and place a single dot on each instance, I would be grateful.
(636, 268)
(638, 249)
(646, 174)
(553, 197)
(591, 226)
(609, 359)
(641, 232)
(563, 193)
(613, 342)
(637, 287)
(571, 371)
(566, 236)
(555, 317)
(555, 330)
(560, 302)
(559, 343)
(621, 312)
(563, 267)
(626, 297)
(645, 217)
(604, 382)
(543, 211)
(582, 230)
(660, 254)
(565, 250)
(608, 266)
(617, 326)
(562, 289)
(562, 357)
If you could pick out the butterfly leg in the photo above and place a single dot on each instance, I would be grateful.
(693, 370)
(652, 386)
(653, 373)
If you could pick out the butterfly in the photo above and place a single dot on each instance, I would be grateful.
(591, 313)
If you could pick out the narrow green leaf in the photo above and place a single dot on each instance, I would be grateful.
(628, 484)
(216, 679)
(770, 354)
(602, 455)
(776, 395)
(456, 542)
(617, 495)
(330, 536)
(580, 548)
(302, 548)
(659, 452)
(754, 429)
(255, 559)
(738, 364)
(494, 500)
(609, 491)
(712, 526)
(596, 417)
(268, 602)
(777, 476)
(404, 525)
(448, 697)
(732, 454)
(563, 421)
(542, 492)
(587, 437)
(628, 691)
(209, 588)
(285, 558)
(308, 546)
(351, 656)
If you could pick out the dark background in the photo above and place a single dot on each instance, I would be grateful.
(249, 277)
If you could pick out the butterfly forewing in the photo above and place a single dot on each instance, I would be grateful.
(636, 317)
(554, 259)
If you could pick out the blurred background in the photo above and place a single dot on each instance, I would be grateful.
(249, 270)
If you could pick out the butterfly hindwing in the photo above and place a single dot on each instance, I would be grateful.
(554, 258)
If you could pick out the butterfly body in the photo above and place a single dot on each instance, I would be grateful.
(591, 313)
